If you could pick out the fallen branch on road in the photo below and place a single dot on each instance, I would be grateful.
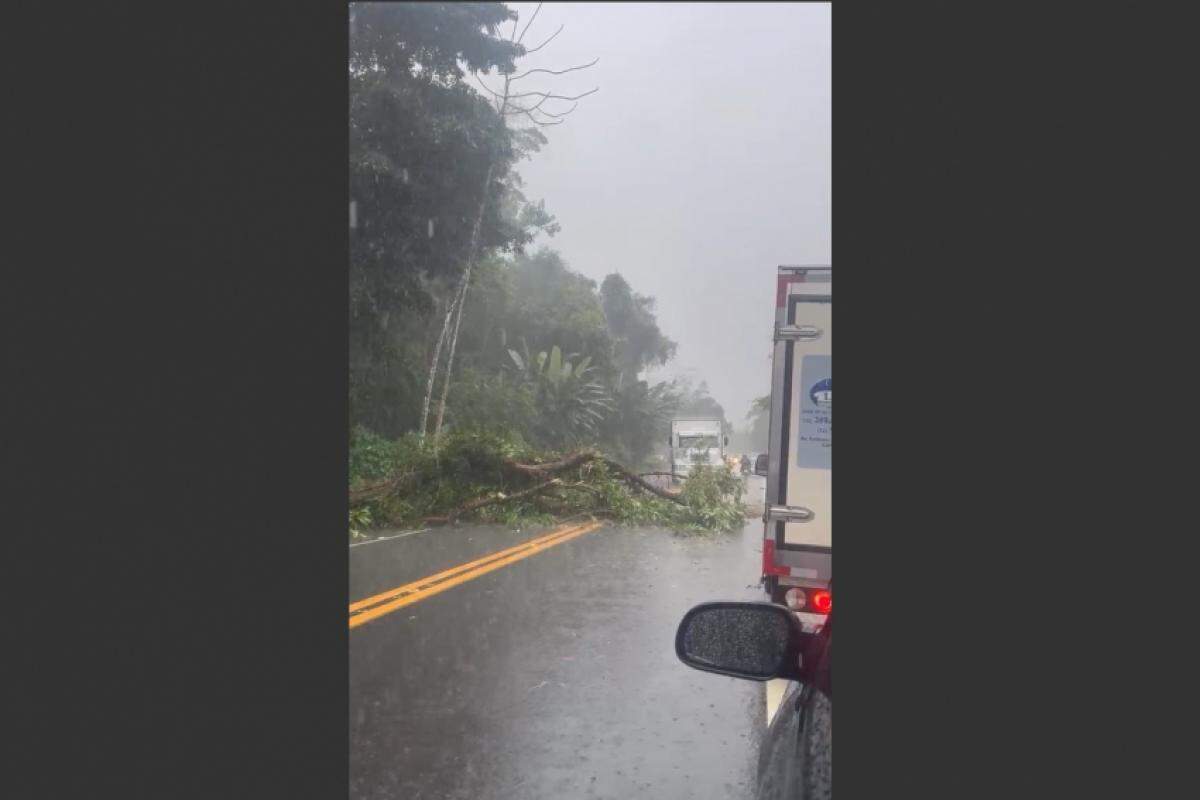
(485, 477)
(487, 500)
(674, 497)
(535, 470)
(584, 457)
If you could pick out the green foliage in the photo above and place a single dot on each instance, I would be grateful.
(360, 519)
(536, 302)
(429, 40)
(713, 496)
(372, 457)
(423, 143)
(550, 304)
(466, 464)
(640, 420)
(498, 401)
(630, 319)
(568, 403)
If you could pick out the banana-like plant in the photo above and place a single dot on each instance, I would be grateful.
(641, 417)
(571, 403)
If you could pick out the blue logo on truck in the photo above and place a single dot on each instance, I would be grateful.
(822, 392)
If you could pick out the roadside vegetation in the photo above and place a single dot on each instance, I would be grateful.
(480, 475)
(477, 355)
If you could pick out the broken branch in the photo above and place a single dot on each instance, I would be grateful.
(494, 499)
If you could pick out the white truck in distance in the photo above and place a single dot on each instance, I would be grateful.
(696, 441)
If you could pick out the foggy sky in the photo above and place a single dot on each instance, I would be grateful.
(701, 164)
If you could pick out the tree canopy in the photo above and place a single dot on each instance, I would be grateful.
(425, 148)
(432, 158)
(630, 318)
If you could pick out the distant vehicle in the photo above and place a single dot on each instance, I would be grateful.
(760, 464)
(696, 442)
(797, 567)
(758, 642)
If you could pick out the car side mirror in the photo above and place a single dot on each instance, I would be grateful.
(755, 641)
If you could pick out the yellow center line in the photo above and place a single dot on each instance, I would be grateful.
(409, 587)
(377, 605)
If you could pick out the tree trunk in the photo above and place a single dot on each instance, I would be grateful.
(462, 295)
(462, 299)
(437, 356)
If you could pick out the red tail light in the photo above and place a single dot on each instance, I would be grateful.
(822, 601)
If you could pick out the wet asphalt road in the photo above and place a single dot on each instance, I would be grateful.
(553, 677)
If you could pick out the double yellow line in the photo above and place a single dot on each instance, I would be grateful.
(369, 608)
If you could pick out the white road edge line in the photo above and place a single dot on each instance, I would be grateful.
(388, 538)
(776, 689)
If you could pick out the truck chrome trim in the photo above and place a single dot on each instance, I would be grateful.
(798, 333)
(788, 514)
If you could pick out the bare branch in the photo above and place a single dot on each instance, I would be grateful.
(563, 114)
(555, 71)
(539, 122)
(515, 109)
(548, 41)
(527, 24)
(516, 23)
(539, 105)
(553, 96)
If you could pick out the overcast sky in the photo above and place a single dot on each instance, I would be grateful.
(701, 164)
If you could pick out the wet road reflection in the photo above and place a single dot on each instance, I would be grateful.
(553, 677)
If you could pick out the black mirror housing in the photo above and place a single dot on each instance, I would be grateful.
(753, 641)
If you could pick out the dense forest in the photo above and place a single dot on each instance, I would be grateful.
(463, 319)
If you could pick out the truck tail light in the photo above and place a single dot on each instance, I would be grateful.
(822, 601)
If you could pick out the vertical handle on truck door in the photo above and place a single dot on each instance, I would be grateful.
(797, 333)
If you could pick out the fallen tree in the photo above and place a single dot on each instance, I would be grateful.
(486, 477)
(498, 497)
(585, 456)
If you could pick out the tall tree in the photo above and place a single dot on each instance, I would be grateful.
(422, 142)
(630, 318)
(507, 102)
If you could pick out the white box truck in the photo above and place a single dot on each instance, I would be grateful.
(696, 441)
(798, 521)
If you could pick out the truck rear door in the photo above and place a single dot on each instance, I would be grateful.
(798, 531)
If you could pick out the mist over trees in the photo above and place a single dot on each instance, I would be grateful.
(758, 424)
(446, 270)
